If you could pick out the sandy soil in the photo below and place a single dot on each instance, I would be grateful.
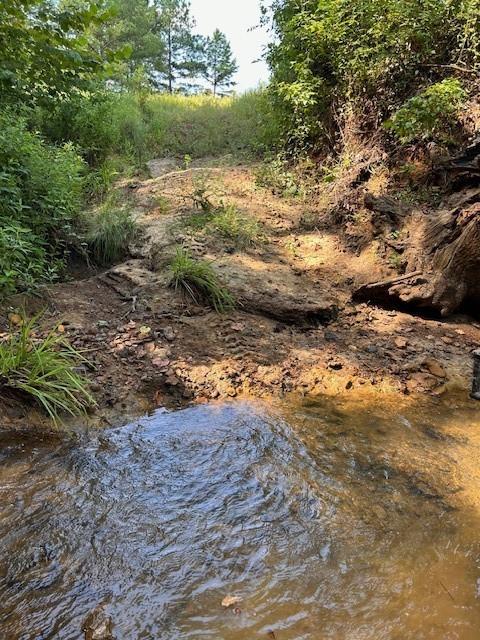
(295, 329)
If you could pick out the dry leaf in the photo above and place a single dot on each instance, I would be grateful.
(228, 601)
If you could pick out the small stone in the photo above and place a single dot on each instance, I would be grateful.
(435, 368)
(335, 365)
(169, 334)
(401, 343)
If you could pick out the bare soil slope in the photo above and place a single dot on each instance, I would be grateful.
(295, 327)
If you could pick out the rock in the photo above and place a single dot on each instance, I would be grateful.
(435, 368)
(335, 365)
(279, 293)
(401, 343)
(98, 626)
(169, 334)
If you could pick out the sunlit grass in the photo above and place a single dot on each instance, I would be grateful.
(45, 370)
(109, 233)
(199, 281)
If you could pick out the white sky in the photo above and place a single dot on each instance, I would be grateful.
(235, 18)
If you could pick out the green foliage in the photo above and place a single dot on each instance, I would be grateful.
(110, 230)
(371, 53)
(219, 65)
(44, 370)
(183, 50)
(199, 281)
(44, 51)
(140, 127)
(275, 175)
(40, 198)
(430, 114)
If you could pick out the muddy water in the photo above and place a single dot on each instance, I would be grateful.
(329, 520)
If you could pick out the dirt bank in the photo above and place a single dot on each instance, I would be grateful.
(295, 327)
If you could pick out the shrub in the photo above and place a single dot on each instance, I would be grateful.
(199, 281)
(44, 370)
(373, 54)
(431, 114)
(109, 233)
(40, 198)
(140, 127)
(274, 174)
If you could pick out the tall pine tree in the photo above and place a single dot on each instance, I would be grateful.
(219, 65)
(182, 58)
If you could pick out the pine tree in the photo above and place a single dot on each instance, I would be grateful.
(219, 65)
(182, 48)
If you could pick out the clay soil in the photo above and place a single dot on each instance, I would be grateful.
(295, 328)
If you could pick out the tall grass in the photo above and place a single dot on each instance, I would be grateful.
(141, 127)
(199, 281)
(110, 230)
(44, 370)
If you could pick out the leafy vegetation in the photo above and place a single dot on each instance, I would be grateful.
(219, 65)
(40, 199)
(430, 114)
(199, 281)
(45, 370)
(369, 54)
(228, 223)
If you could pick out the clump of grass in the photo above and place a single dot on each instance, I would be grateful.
(109, 233)
(199, 281)
(241, 230)
(44, 370)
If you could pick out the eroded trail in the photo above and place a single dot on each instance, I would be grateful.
(295, 328)
(321, 519)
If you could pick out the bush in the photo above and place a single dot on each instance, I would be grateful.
(40, 199)
(140, 127)
(431, 114)
(199, 281)
(45, 370)
(373, 54)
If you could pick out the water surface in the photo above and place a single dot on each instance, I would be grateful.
(328, 520)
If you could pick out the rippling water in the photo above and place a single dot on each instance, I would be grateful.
(328, 522)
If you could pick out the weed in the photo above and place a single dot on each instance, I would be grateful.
(45, 370)
(275, 175)
(109, 233)
(228, 223)
(203, 192)
(395, 260)
(199, 281)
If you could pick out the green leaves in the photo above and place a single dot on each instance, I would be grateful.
(431, 114)
(40, 197)
(43, 49)
(372, 54)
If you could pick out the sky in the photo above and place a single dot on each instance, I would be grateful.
(235, 18)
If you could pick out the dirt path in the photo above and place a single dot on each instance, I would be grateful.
(295, 329)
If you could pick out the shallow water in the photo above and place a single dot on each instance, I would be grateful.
(328, 520)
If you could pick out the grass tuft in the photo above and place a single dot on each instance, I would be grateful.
(109, 234)
(199, 281)
(241, 230)
(45, 370)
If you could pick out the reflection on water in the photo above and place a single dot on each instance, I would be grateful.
(328, 521)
